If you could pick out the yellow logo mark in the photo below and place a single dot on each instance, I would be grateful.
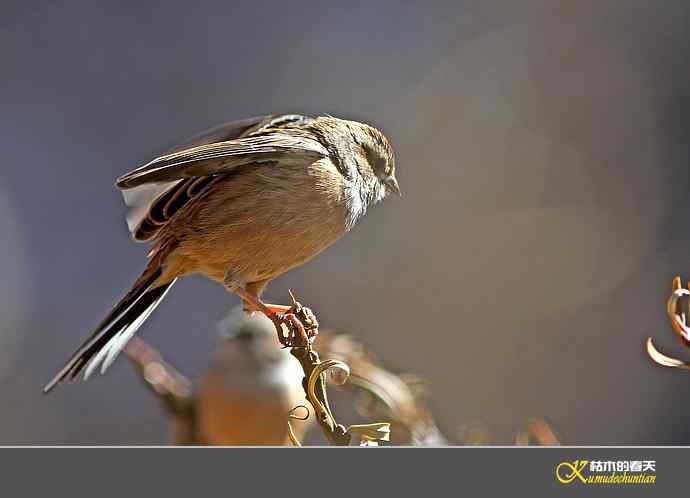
(566, 472)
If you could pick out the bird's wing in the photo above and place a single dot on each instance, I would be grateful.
(223, 157)
(150, 205)
(238, 129)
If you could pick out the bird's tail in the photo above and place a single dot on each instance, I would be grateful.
(116, 329)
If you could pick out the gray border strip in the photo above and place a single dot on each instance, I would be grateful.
(494, 471)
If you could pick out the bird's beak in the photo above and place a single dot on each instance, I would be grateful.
(393, 186)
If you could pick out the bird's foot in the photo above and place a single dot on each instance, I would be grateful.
(300, 323)
(296, 325)
(291, 332)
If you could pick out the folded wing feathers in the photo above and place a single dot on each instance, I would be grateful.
(140, 200)
(203, 160)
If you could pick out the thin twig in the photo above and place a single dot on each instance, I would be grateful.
(315, 388)
(169, 385)
(309, 359)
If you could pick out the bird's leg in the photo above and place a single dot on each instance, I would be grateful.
(296, 335)
(304, 314)
(278, 308)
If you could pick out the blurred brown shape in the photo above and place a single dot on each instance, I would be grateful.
(539, 432)
(474, 433)
(400, 397)
(244, 398)
(247, 394)
(252, 394)
(253, 389)
(171, 387)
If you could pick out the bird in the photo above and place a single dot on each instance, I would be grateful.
(245, 394)
(241, 204)
(241, 398)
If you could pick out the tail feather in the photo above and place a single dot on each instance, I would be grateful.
(124, 330)
(113, 333)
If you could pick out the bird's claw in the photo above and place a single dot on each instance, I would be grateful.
(301, 324)
(294, 335)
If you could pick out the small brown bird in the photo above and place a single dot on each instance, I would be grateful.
(242, 204)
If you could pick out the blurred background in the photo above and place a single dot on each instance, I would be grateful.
(542, 150)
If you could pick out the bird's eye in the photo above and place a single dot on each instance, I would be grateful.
(377, 161)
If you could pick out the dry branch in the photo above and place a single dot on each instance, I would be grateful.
(679, 324)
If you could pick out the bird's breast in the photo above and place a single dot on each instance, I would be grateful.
(262, 221)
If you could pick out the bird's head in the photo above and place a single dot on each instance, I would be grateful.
(375, 154)
(362, 153)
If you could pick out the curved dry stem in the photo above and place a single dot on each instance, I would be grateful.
(661, 359)
(314, 377)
